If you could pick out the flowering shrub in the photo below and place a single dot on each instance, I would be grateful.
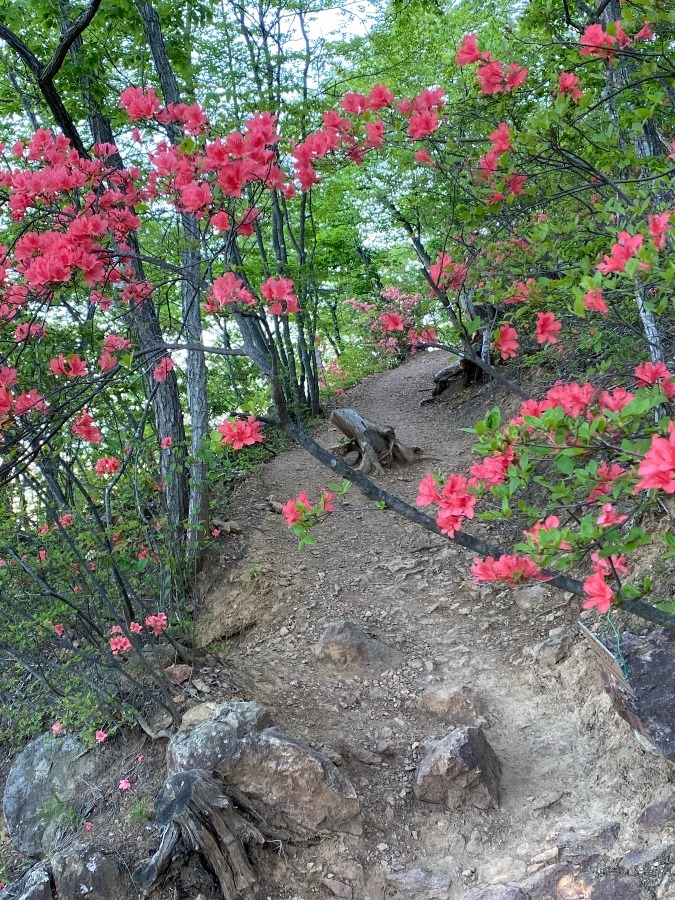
(595, 515)
(395, 325)
(302, 517)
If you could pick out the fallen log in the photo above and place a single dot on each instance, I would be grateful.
(377, 445)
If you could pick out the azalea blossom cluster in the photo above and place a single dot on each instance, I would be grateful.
(239, 433)
(301, 516)
(399, 326)
(156, 624)
(85, 216)
(197, 180)
(626, 248)
(453, 498)
(295, 511)
(107, 465)
(600, 43)
(493, 75)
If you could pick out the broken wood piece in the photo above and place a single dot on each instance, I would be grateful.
(377, 444)
(197, 815)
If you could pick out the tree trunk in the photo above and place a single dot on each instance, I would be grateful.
(195, 813)
(190, 294)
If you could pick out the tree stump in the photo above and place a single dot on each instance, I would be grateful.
(377, 445)
(470, 372)
(197, 815)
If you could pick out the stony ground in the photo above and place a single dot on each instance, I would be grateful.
(567, 760)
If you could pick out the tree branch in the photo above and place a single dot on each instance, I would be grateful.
(14, 41)
(68, 38)
(469, 541)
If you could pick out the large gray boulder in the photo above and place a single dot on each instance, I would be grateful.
(205, 746)
(213, 740)
(459, 769)
(49, 773)
(35, 884)
(244, 716)
(85, 872)
(301, 784)
(348, 646)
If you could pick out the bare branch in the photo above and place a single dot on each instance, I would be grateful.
(12, 40)
(70, 35)
(469, 541)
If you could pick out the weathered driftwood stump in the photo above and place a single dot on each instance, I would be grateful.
(377, 445)
(470, 372)
(196, 815)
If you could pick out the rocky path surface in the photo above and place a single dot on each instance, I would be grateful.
(572, 774)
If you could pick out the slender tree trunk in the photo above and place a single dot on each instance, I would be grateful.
(190, 293)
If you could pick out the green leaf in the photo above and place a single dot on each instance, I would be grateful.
(564, 464)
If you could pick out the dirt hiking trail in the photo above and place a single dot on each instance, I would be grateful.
(569, 765)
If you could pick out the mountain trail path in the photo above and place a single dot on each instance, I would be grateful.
(568, 762)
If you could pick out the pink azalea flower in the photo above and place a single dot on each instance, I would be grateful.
(593, 300)
(598, 593)
(657, 469)
(391, 321)
(468, 51)
(157, 623)
(607, 567)
(626, 247)
(162, 369)
(427, 491)
(295, 509)
(507, 341)
(240, 434)
(568, 83)
(511, 569)
(124, 784)
(548, 328)
(609, 516)
(100, 736)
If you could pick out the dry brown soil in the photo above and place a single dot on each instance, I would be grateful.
(566, 757)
